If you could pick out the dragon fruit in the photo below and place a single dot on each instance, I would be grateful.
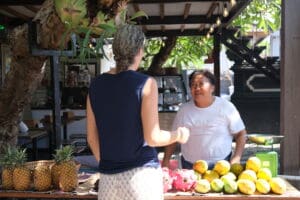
(184, 180)
(167, 179)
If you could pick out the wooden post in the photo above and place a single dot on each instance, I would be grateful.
(290, 90)
(216, 56)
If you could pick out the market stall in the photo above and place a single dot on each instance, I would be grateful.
(291, 194)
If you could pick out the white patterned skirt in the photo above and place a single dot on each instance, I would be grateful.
(143, 183)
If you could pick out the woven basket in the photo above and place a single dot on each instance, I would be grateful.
(33, 164)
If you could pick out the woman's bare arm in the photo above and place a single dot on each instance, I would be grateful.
(240, 141)
(92, 131)
(152, 133)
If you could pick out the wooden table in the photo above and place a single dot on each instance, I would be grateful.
(65, 121)
(291, 194)
(32, 137)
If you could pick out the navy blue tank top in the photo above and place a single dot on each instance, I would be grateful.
(116, 101)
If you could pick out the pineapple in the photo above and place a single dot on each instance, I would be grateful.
(21, 174)
(55, 173)
(64, 172)
(7, 163)
(42, 178)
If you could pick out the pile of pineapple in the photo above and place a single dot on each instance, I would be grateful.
(230, 179)
(17, 176)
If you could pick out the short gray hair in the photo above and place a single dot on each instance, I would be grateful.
(128, 40)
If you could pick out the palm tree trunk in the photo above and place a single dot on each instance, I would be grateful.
(26, 71)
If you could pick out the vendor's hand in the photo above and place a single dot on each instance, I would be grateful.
(183, 134)
(235, 160)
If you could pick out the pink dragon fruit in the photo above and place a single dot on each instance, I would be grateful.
(167, 179)
(184, 180)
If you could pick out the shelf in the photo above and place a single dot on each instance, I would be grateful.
(172, 92)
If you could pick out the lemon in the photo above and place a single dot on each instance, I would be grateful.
(246, 186)
(230, 175)
(198, 175)
(236, 168)
(217, 185)
(253, 163)
(200, 166)
(258, 139)
(278, 185)
(264, 173)
(202, 186)
(230, 186)
(249, 175)
(222, 167)
(262, 186)
(210, 175)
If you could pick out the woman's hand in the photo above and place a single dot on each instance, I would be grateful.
(183, 134)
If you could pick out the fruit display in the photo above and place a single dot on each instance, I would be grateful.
(246, 186)
(7, 163)
(225, 178)
(200, 166)
(167, 179)
(253, 163)
(222, 167)
(17, 174)
(202, 186)
(184, 180)
(21, 174)
(42, 178)
(64, 171)
(278, 185)
(217, 185)
(230, 179)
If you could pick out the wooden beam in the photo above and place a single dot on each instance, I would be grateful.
(162, 10)
(209, 16)
(177, 32)
(137, 9)
(182, 27)
(14, 13)
(187, 9)
(21, 2)
(202, 26)
(191, 19)
(235, 11)
(185, 14)
(211, 9)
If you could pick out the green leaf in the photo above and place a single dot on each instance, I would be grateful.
(138, 14)
(108, 28)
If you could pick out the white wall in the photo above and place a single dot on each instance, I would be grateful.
(107, 64)
(275, 44)
(73, 127)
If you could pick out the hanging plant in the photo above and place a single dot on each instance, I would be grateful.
(91, 33)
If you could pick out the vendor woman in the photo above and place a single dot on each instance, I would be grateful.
(213, 121)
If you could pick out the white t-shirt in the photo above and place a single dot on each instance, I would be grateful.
(211, 129)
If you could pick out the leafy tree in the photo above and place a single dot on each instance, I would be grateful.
(260, 15)
(190, 51)
(55, 20)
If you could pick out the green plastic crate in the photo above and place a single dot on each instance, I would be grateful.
(269, 160)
